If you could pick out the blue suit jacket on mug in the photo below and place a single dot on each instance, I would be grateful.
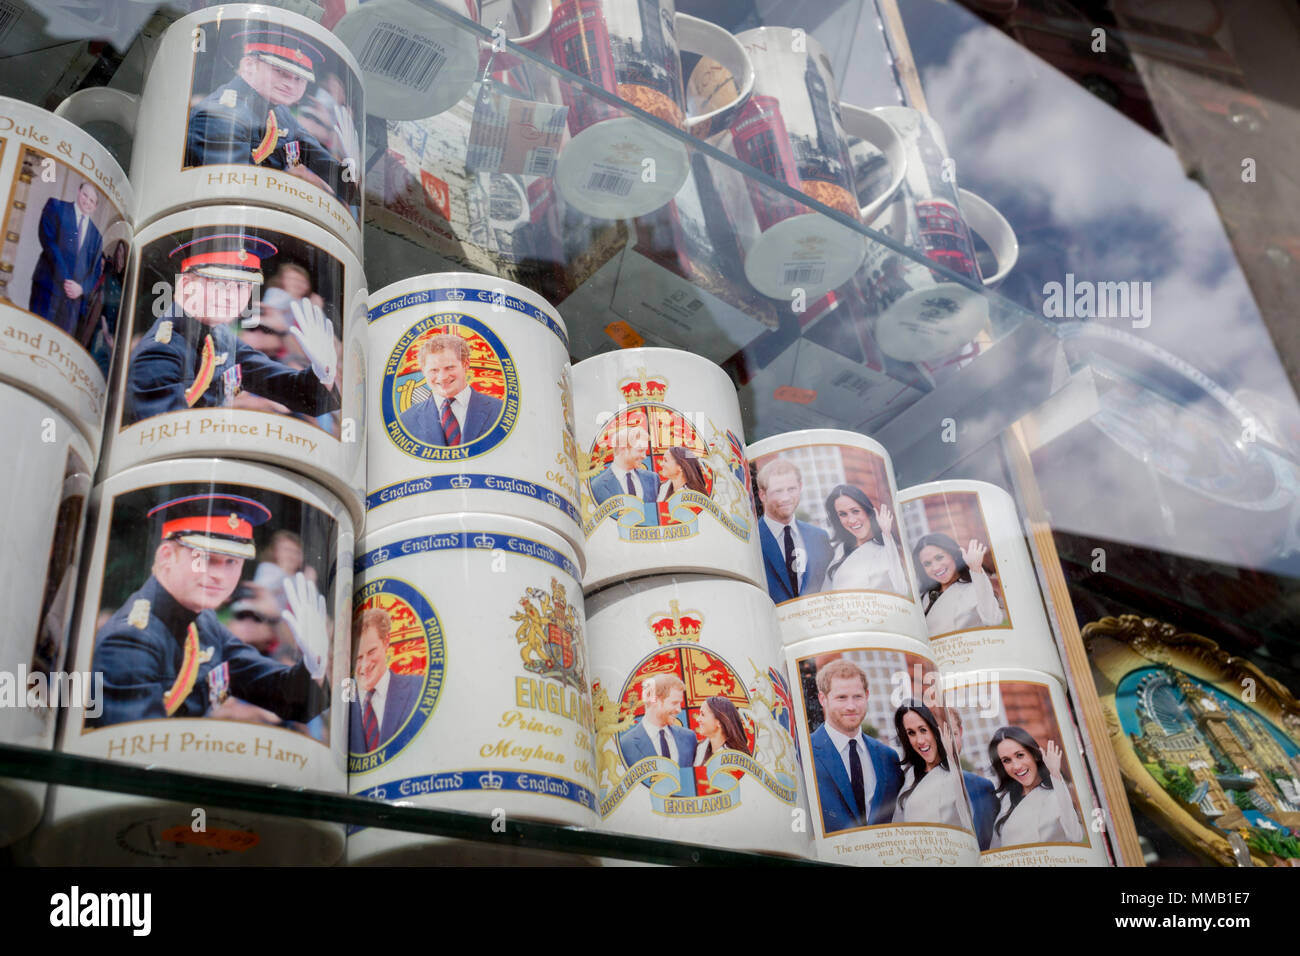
(637, 745)
(605, 486)
(62, 259)
(840, 810)
(983, 806)
(423, 420)
(403, 694)
(817, 558)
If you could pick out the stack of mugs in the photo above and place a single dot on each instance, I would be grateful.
(693, 733)
(216, 589)
(936, 731)
(470, 664)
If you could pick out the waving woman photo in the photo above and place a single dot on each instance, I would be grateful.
(1036, 802)
(932, 790)
(866, 557)
(956, 592)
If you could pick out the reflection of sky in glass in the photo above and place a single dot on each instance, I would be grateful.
(1091, 193)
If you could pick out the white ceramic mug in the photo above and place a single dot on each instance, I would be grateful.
(66, 239)
(794, 129)
(213, 613)
(831, 536)
(662, 468)
(44, 483)
(244, 103)
(691, 666)
(471, 680)
(1016, 726)
(248, 332)
(882, 693)
(919, 315)
(975, 577)
(416, 64)
(498, 353)
(617, 166)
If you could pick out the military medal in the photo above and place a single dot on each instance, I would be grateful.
(231, 384)
(292, 154)
(218, 684)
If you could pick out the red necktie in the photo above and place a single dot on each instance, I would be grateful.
(370, 723)
(450, 427)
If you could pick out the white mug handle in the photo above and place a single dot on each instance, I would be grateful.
(993, 228)
(101, 103)
(714, 43)
(875, 129)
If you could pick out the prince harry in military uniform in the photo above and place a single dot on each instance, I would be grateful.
(248, 121)
(192, 358)
(165, 653)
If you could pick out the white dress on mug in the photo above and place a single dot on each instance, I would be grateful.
(965, 605)
(1043, 816)
(870, 567)
(938, 798)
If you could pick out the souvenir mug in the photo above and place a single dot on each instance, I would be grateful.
(694, 739)
(1029, 790)
(66, 240)
(794, 129)
(250, 336)
(662, 468)
(213, 614)
(471, 674)
(919, 315)
(617, 166)
(44, 483)
(831, 536)
(416, 63)
(470, 404)
(244, 103)
(862, 701)
(975, 578)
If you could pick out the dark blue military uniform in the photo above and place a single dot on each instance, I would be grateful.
(142, 652)
(231, 123)
(168, 361)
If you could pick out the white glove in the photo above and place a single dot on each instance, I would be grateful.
(315, 334)
(346, 131)
(309, 622)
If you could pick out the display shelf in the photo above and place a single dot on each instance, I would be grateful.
(201, 791)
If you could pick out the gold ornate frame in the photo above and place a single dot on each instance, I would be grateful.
(1116, 647)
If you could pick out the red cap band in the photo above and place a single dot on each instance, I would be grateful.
(229, 526)
(229, 257)
(284, 52)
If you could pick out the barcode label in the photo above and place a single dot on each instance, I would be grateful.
(853, 382)
(796, 275)
(614, 183)
(9, 15)
(410, 61)
(541, 162)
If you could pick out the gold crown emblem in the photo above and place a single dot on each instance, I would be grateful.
(233, 521)
(674, 627)
(643, 386)
(242, 255)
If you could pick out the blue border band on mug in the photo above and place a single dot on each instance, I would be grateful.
(485, 779)
(462, 482)
(467, 541)
(429, 296)
(435, 675)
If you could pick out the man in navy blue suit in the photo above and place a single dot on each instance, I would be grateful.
(983, 799)
(70, 261)
(795, 553)
(858, 777)
(626, 474)
(656, 734)
(385, 698)
(455, 413)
